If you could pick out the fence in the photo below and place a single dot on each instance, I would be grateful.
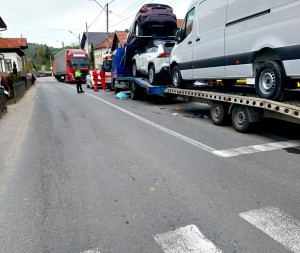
(19, 90)
(3, 107)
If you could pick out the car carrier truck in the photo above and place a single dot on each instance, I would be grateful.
(66, 61)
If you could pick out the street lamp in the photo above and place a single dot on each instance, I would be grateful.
(76, 37)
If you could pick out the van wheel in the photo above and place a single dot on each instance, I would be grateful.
(270, 81)
(134, 69)
(218, 113)
(152, 76)
(240, 119)
(177, 81)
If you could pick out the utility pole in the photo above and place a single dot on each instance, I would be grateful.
(87, 39)
(107, 28)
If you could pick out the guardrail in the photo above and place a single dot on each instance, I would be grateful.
(19, 90)
(3, 107)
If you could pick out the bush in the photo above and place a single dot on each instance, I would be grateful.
(8, 82)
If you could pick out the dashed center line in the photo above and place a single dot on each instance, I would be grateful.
(225, 153)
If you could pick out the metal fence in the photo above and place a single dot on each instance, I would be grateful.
(3, 107)
(19, 90)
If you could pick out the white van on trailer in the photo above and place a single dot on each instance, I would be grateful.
(239, 39)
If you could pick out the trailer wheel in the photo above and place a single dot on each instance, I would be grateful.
(177, 81)
(152, 76)
(240, 118)
(133, 91)
(270, 81)
(218, 113)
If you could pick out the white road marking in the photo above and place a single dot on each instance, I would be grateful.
(91, 251)
(257, 148)
(221, 153)
(180, 136)
(186, 240)
(275, 223)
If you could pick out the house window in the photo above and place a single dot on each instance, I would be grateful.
(7, 65)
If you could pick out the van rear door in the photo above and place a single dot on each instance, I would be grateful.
(208, 48)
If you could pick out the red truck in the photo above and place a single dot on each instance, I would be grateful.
(66, 61)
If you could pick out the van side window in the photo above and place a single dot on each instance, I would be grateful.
(188, 23)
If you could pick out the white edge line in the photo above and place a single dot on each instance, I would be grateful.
(257, 148)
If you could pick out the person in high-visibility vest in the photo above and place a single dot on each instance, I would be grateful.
(78, 75)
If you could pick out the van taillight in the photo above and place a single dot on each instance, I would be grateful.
(163, 55)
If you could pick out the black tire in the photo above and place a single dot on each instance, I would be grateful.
(134, 70)
(116, 90)
(152, 76)
(240, 119)
(133, 91)
(229, 82)
(270, 81)
(112, 85)
(218, 113)
(177, 81)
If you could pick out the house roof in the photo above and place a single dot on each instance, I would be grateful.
(13, 45)
(94, 38)
(103, 44)
(2, 25)
(119, 37)
(179, 23)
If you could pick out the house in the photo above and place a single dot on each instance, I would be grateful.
(12, 51)
(119, 40)
(102, 49)
(90, 39)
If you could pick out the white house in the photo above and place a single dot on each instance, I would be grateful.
(11, 50)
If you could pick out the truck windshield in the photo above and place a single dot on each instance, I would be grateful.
(82, 62)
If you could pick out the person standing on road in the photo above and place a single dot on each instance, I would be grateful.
(78, 76)
(95, 77)
(102, 76)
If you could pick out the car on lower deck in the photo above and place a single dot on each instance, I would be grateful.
(154, 61)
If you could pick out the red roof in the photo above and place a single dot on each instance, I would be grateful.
(121, 35)
(13, 43)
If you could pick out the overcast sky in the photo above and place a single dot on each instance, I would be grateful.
(49, 21)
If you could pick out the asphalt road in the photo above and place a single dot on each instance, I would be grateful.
(92, 173)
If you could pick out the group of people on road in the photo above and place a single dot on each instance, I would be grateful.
(79, 76)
